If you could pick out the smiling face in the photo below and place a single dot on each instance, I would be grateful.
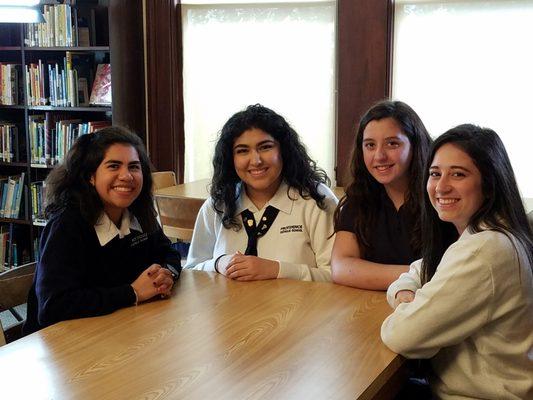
(118, 180)
(387, 153)
(258, 163)
(454, 186)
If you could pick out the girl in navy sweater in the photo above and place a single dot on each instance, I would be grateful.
(102, 248)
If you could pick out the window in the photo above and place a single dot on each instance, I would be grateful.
(469, 62)
(280, 55)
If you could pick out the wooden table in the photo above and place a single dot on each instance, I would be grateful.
(214, 339)
(200, 190)
(194, 190)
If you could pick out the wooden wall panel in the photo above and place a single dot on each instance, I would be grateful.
(164, 85)
(127, 65)
(364, 32)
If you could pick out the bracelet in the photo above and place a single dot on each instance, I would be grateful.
(216, 263)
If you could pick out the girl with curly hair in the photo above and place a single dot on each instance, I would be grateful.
(102, 248)
(270, 214)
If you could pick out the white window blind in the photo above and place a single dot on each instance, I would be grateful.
(469, 62)
(279, 55)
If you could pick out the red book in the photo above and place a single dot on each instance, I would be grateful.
(101, 93)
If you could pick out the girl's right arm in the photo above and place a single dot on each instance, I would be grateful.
(203, 241)
(350, 269)
(61, 275)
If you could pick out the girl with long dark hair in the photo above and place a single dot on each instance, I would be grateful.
(102, 248)
(377, 222)
(270, 214)
(468, 305)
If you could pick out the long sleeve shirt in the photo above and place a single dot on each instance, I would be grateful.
(85, 271)
(474, 319)
(299, 238)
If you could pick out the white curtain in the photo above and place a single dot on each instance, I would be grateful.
(279, 55)
(469, 62)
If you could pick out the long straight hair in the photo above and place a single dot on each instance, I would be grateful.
(502, 209)
(364, 192)
(68, 185)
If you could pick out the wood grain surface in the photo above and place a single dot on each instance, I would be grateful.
(200, 190)
(213, 339)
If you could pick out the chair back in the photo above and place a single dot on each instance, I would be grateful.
(178, 215)
(14, 287)
(163, 179)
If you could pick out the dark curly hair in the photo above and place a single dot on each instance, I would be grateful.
(502, 210)
(364, 192)
(68, 185)
(299, 170)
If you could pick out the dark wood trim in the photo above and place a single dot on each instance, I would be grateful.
(71, 48)
(364, 41)
(127, 66)
(164, 85)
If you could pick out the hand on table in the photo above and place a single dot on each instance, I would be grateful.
(403, 296)
(153, 281)
(247, 268)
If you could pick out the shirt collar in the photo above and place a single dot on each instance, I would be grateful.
(106, 230)
(280, 200)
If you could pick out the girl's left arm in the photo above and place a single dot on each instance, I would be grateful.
(454, 304)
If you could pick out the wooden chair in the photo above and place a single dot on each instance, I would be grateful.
(14, 287)
(163, 179)
(178, 215)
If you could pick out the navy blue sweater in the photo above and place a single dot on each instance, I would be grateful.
(76, 277)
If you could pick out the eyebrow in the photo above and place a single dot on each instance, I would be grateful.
(120, 162)
(387, 138)
(258, 144)
(454, 167)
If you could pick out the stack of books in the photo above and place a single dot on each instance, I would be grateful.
(51, 139)
(59, 84)
(10, 84)
(38, 193)
(58, 30)
(11, 191)
(9, 144)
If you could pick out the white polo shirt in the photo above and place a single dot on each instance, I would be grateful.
(299, 237)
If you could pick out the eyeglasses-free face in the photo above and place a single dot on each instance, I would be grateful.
(454, 186)
(258, 163)
(387, 153)
(118, 179)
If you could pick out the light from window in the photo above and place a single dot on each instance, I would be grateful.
(282, 56)
(469, 62)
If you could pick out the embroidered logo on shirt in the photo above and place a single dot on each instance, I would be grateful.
(291, 228)
(139, 239)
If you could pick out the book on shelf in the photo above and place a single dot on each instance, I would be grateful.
(53, 134)
(10, 84)
(9, 143)
(38, 193)
(101, 93)
(58, 30)
(15, 247)
(12, 188)
(59, 82)
(65, 26)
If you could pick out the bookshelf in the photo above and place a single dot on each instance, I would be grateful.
(45, 109)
